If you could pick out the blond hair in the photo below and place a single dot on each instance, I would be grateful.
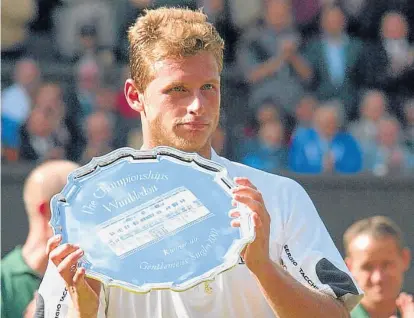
(170, 33)
(377, 227)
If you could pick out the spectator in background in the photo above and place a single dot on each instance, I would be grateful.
(373, 108)
(335, 59)
(306, 13)
(268, 152)
(81, 97)
(270, 59)
(390, 63)
(388, 155)
(106, 100)
(16, 104)
(324, 148)
(126, 12)
(73, 15)
(45, 136)
(220, 15)
(245, 14)
(98, 128)
(88, 44)
(304, 113)
(22, 269)
(378, 258)
(409, 121)
(374, 10)
(266, 112)
(15, 18)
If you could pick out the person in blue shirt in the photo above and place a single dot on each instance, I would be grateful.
(324, 148)
(268, 153)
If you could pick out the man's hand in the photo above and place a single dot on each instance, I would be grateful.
(289, 49)
(256, 254)
(84, 292)
(405, 304)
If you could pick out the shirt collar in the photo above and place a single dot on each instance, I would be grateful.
(214, 156)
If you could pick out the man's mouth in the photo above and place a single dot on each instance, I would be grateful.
(195, 125)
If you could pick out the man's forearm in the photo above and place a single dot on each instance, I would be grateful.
(302, 68)
(266, 69)
(289, 298)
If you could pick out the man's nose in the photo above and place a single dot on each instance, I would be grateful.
(196, 107)
(377, 275)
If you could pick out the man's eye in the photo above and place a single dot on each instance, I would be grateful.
(177, 89)
(208, 86)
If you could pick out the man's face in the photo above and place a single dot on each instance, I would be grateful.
(180, 106)
(334, 22)
(374, 107)
(378, 265)
(326, 123)
(278, 14)
(394, 27)
(388, 133)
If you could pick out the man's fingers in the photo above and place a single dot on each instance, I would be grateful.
(235, 223)
(52, 243)
(256, 221)
(60, 252)
(248, 191)
(69, 261)
(244, 182)
(234, 213)
(252, 204)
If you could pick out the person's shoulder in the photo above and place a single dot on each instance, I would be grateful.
(11, 258)
(345, 137)
(304, 135)
(11, 89)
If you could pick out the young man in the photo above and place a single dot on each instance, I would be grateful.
(378, 259)
(292, 269)
(23, 268)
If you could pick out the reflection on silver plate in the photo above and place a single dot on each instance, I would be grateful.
(155, 219)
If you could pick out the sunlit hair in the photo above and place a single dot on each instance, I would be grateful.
(169, 33)
(377, 227)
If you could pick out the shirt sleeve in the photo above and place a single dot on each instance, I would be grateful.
(54, 300)
(310, 255)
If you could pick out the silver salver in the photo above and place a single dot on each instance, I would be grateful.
(154, 219)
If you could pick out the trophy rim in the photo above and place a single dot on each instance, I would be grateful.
(187, 158)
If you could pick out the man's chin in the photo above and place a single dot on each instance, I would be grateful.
(381, 297)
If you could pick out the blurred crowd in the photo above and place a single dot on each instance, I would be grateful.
(309, 86)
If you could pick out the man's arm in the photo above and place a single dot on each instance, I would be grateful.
(289, 298)
(266, 69)
(301, 67)
(316, 282)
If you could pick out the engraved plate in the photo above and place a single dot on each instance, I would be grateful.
(154, 219)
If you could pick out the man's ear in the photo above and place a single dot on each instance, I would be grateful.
(44, 210)
(133, 96)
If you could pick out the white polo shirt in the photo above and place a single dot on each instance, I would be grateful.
(299, 242)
